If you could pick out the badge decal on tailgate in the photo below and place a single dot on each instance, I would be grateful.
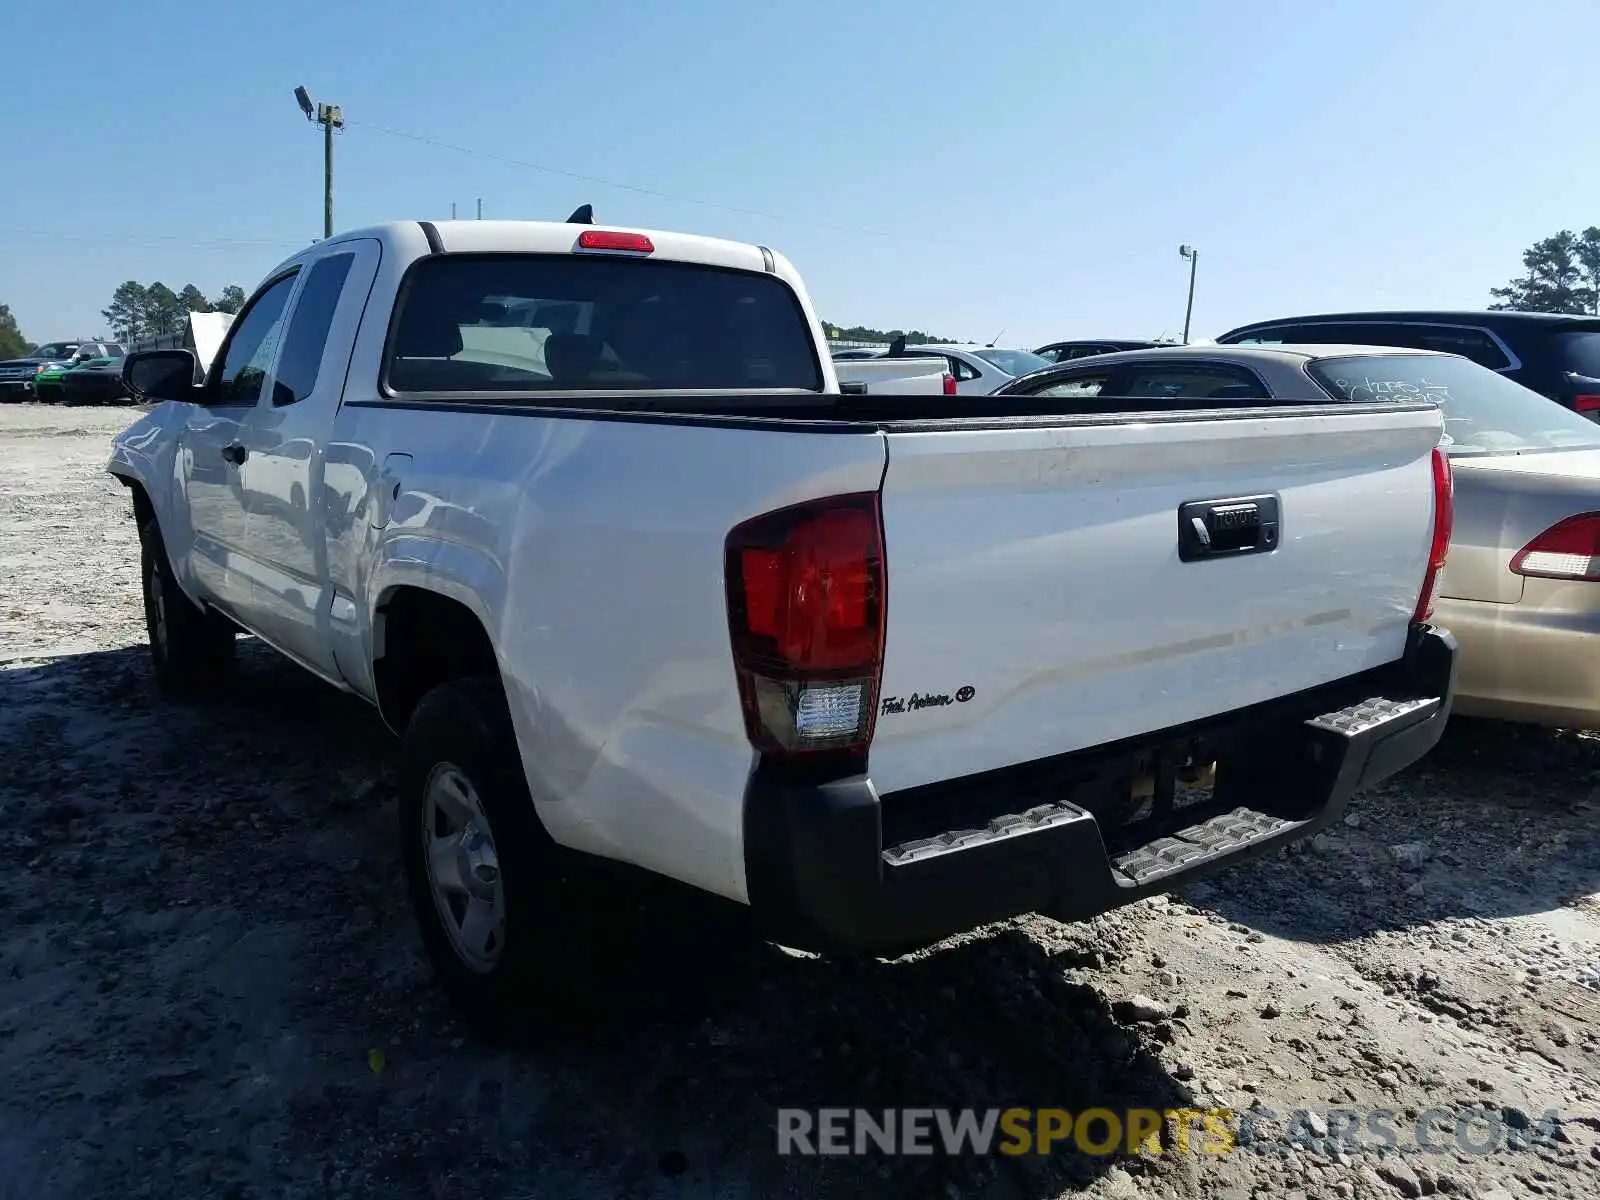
(900, 704)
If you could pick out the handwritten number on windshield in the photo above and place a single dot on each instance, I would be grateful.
(1392, 389)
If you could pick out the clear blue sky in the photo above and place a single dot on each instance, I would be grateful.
(958, 167)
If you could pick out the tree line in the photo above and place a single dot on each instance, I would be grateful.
(861, 333)
(1562, 275)
(12, 343)
(140, 310)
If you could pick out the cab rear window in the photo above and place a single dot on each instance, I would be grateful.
(558, 323)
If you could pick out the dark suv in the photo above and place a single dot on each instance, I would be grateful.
(1554, 354)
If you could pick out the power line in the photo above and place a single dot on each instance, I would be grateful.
(639, 189)
(147, 239)
(919, 239)
(549, 170)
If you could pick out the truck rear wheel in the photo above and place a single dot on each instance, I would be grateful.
(192, 650)
(485, 879)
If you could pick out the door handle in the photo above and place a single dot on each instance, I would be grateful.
(234, 453)
(1228, 528)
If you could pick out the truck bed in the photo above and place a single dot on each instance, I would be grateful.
(1032, 556)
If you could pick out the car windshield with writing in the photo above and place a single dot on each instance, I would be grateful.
(1014, 362)
(541, 323)
(1484, 412)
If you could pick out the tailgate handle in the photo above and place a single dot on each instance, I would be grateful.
(1227, 527)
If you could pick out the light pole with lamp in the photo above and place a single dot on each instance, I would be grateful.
(1193, 255)
(330, 117)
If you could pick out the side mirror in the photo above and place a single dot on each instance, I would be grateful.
(156, 375)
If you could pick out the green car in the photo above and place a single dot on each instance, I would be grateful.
(47, 383)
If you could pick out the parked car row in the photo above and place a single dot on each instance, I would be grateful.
(20, 378)
(89, 370)
(1554, 354)
(94, 381)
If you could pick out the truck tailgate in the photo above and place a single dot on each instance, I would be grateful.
(1037, 602)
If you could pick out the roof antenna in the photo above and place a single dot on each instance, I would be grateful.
(990, 346)
(582, 215)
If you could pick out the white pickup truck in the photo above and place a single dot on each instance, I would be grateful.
(881, 668)
(905, 376)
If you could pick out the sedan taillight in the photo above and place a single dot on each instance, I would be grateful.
(1569, 549)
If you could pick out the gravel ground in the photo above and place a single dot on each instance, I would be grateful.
(210, 982)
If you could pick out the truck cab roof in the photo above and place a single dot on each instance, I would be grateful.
(558, 237)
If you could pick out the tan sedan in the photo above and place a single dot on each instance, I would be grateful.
(1521, 587)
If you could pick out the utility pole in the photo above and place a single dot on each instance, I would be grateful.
(330, 117)
(1193, 255)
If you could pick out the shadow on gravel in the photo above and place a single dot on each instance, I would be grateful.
(214, 894)
(1500, 820)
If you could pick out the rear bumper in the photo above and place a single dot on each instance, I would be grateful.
(821, 877)
(1523, 662)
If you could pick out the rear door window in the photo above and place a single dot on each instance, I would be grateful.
(1477, 344)
(963, 371)
(555, 323)
(301, 360)
(1080, 387)
(1275, 335)
(1580, 353)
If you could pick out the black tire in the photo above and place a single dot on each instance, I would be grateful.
(464, 727)
(192, 651)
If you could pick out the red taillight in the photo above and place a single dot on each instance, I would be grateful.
(1444, 508)
(949, 384)
(605, 239)
(1587, 404)
(1569, 549)
(806, 615)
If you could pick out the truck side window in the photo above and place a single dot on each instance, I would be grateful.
(308, 329)
(1189, 382)
(251, 345)
(1475, 344)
